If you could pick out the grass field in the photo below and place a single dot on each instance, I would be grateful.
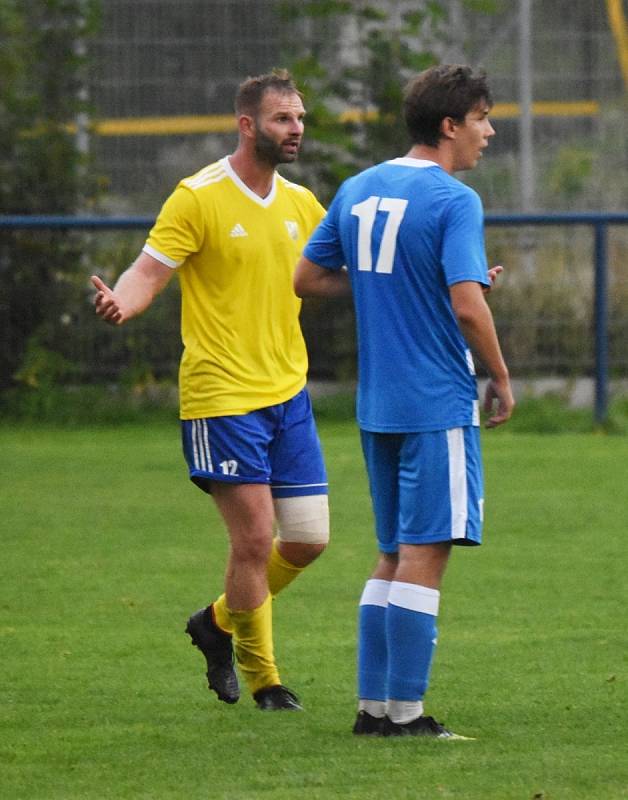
(106, 549)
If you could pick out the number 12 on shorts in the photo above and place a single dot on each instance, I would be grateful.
(366, 212)
(229, 467)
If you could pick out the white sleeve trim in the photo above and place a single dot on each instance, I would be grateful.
(169, 262)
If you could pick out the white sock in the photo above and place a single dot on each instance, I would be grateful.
(403, 711)
(376, 708)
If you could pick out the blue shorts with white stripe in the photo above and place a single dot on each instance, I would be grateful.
(425, 487)
(277, 445)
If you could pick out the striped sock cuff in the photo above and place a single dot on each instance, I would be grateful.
(375, 593)
(414, 597)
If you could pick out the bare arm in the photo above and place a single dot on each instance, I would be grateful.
(476, 322)
(311, 280)
(134, 290)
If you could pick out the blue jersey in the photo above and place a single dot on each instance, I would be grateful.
(407, 231)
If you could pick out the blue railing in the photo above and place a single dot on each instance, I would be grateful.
(86, 222)
(600, 223)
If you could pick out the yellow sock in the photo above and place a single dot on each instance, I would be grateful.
(280, 571)
(222, 615)
(280, 574)
(253, 643)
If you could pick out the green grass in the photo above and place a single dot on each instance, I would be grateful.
(106, 549)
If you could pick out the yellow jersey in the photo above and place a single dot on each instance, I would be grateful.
(235, 255)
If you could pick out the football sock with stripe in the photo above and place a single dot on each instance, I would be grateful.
(411, 637)
(372, 653)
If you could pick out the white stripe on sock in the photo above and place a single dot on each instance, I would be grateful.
(414, 597)
(375, 593)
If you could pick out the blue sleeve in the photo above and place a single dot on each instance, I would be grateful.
(325, 245)
(463, 253)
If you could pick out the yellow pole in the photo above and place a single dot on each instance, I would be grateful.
(619, 27)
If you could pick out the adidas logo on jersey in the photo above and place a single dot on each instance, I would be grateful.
(237, 230)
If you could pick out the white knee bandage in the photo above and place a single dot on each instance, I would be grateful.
(303, 519)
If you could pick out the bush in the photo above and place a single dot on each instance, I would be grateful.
(42, 167)
(156, 402)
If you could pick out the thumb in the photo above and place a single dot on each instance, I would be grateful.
(100, 285)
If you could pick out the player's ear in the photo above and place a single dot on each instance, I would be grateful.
(246, 126)
(448, 127)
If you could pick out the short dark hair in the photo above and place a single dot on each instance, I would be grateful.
(251, 91)
(446, 90)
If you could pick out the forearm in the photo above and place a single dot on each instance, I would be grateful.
(478, 329)
(311, 280)
(134, 293)
(332, 284)
(476, 323)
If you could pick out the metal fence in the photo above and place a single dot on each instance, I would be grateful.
(163, 76)
(579, 295)
(561, 309)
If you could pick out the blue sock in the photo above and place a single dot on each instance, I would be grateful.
(372, 655)
(411, 638)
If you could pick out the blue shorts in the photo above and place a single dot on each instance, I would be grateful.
(425, 487)
(277, 445)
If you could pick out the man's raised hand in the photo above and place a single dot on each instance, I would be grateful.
(105, 303)
(492, 276)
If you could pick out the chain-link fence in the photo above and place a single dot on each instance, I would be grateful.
(161, 85)
(544, 310)
(163, 79)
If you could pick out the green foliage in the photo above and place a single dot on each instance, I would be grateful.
(618, 418)
(337, 407)
(570, 172)
(486, 6)
(354, 102)
(41, 167)
(548, 415)
(71, 407)
(139, 397)
(41, 368)
(316, 8)
(586, 172)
